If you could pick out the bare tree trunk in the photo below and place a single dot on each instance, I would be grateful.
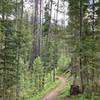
(49, 32)
(34, 52)
(81, 23)
(57, 12)
(4, 69)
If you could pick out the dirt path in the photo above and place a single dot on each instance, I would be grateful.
(52, 95)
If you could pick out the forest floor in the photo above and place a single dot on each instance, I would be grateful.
(54, 93)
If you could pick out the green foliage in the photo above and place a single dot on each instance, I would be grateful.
(49, 86)
(47, 19)
(86, 96)
(83, 45)
(38, 73)
(57, 47)
(8, 57)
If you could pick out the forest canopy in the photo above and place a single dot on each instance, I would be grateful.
(43, 42)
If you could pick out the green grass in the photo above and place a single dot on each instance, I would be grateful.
(86, 96)
(46, 88)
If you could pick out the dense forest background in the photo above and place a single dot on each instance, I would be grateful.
(36, 46)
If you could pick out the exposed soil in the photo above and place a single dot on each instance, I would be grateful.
(54, 93)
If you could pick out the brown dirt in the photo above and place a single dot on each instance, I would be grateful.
(54, 93)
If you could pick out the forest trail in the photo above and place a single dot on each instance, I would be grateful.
(52, 95)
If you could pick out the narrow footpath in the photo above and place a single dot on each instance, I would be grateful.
(53, 94)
